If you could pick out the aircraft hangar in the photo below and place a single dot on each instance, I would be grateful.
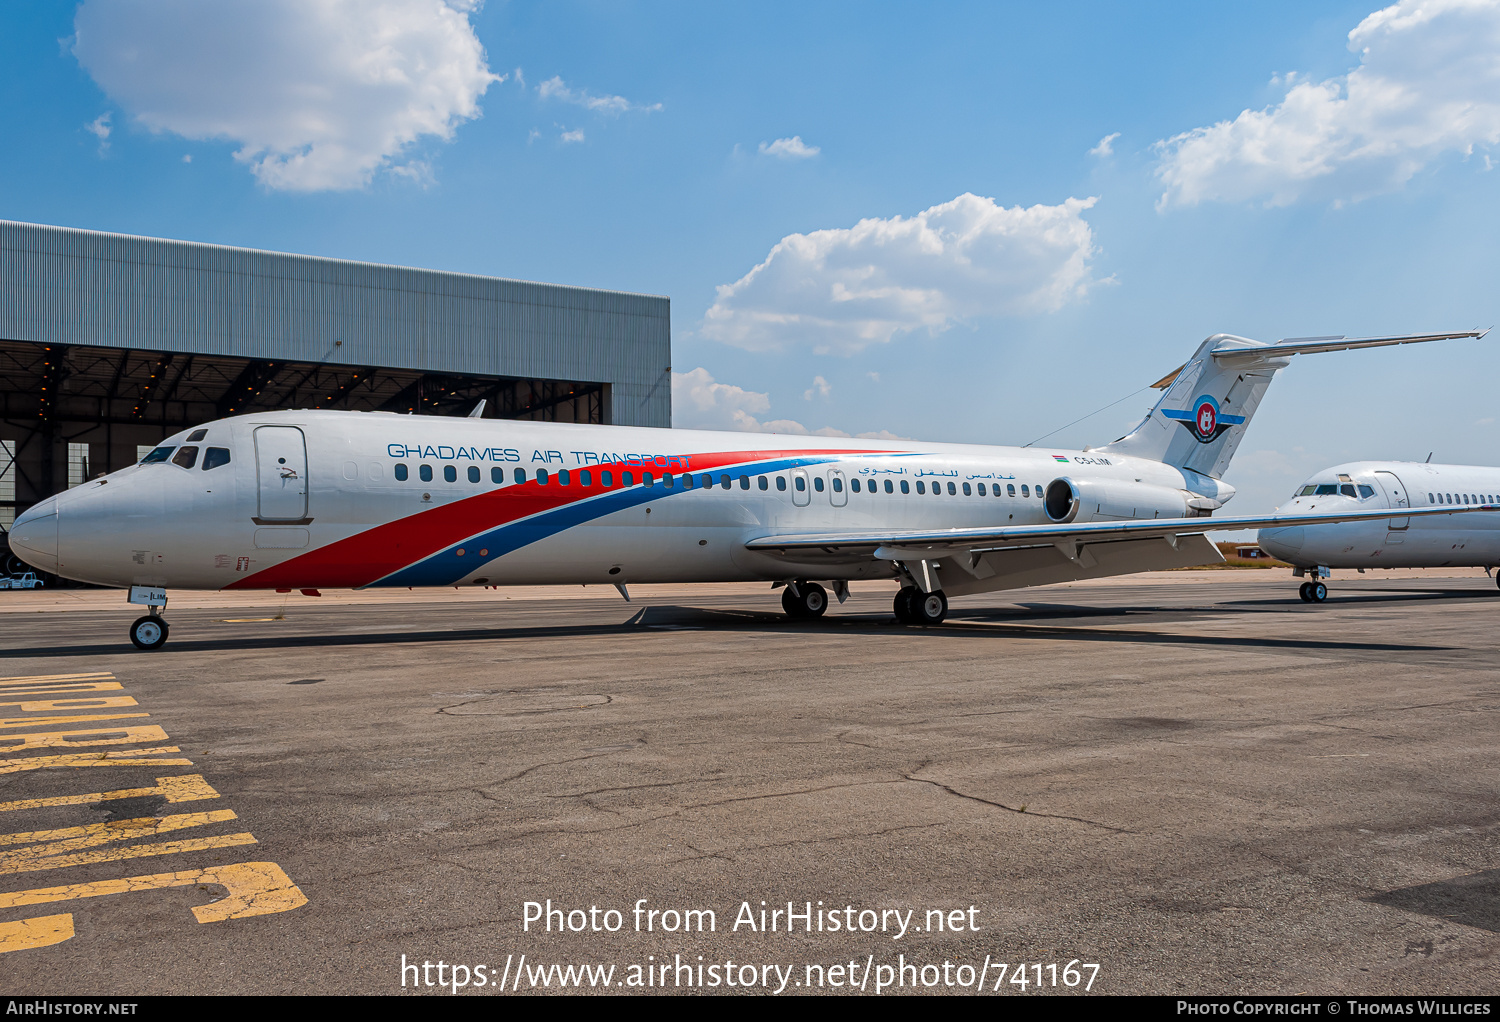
(110, 342)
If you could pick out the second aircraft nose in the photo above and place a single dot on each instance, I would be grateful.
(33, 537)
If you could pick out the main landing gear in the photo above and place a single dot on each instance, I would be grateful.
(804, 600)
(1313, 592)
(914, 607)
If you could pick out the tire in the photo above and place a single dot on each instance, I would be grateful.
(1318, 591)
(812, 599)
(905, 613)
(931, 608)
(149, 632)
(1302, 591)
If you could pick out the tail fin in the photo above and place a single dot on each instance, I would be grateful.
(1208, 402)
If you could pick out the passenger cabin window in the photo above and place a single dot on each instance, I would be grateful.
(214, 457)
(781, 482)
(888, 488)
(744, 482)
(197, 435)
(921, 486)
(981, 489)
(473, 473)
(400, 472)
(628, 477)
(564, 478)
(606, 479)
(541, 477)
(905, 487)
(818, 483)
(1024, 491)
(450, 474)
(724, 481)
(1010, 489)
(585, 478)
(854, 485)
(761, 482)
(687, 481)
(646, 479)
(497, 476)
(953, 490)
(425, 472)
(520, 475)
(800, 483)
(158, 455)
(708, 481)
(838, 484)
(187, 457)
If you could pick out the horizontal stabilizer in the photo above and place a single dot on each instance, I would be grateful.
(1315, 345)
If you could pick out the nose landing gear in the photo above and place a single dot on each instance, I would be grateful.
(1313, 592)
(149, 632)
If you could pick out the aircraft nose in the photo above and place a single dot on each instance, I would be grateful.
(33, 537)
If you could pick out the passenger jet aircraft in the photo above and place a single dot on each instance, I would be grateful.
(1390, 542)
(311, 500)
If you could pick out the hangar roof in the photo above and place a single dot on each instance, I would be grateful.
(67, 286)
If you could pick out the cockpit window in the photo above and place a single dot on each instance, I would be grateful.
(1366, 491)
(1347, 489)
(197, 435)
(158, 455)
(1327, 489)
(1306, 491)
(187, 457)
(216, 456)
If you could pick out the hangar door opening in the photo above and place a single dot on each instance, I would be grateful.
(281, 464)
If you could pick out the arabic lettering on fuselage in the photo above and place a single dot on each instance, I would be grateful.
(443, 452)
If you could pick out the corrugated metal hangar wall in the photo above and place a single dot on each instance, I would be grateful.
(110, 342)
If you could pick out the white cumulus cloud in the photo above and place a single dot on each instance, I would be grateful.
(319, 94)
(99, 127)
(1427, 84)
(789, 149)
(844, 289)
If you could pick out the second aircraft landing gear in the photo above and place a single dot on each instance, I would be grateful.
(1313, 592)
(913, 607)
(804, 600)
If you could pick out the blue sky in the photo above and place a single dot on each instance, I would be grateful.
(1266, 175)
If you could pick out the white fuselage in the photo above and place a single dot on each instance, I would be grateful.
(1467, 540)
(307, 499)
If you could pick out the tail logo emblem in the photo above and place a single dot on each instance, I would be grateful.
(1205, 421)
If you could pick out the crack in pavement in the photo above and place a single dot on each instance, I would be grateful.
(1022, 811)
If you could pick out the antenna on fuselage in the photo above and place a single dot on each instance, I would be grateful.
(1429, 459)
(478, 409)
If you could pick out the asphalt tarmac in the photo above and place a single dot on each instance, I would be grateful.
(1192, 781)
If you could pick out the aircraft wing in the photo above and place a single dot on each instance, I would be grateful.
(974, 541)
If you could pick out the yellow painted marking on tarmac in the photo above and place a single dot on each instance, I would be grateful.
(131, 852)
(36, 932)
(123, 757)
(70, 839)
(31, 678)
(64, 705)
(184, 788)
(243, 620)
(64, 739)
(254, 889)
(62, 686)
(23, 721)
